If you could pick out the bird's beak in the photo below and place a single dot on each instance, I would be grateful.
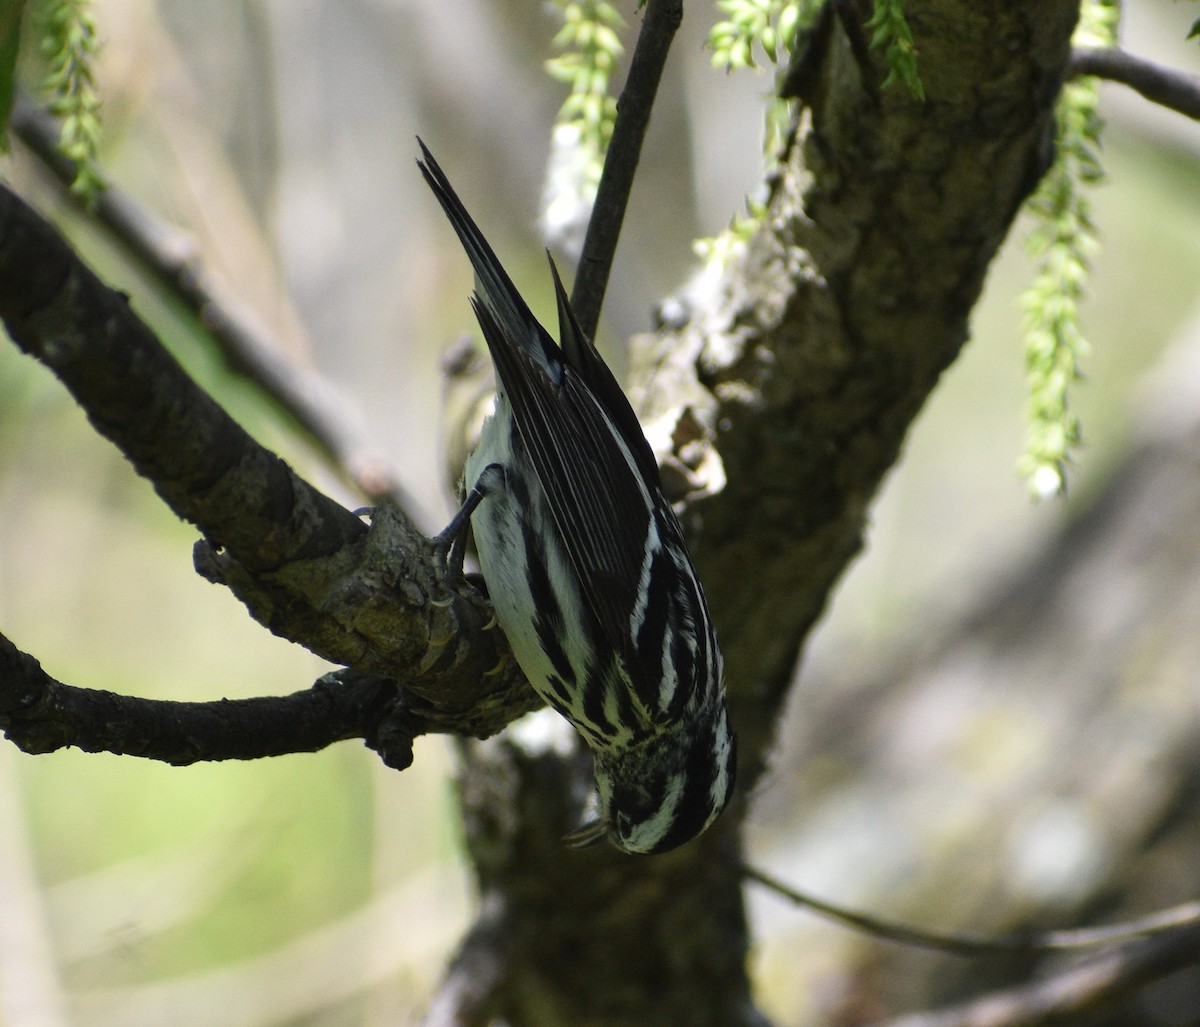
(588, 834)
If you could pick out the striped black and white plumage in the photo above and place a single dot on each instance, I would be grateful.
(587, 568)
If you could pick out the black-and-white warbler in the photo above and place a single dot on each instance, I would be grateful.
(587, 568)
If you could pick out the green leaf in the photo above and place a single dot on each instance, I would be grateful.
(1064, 238)
(70, 47)
(769, 26)
(589, 36)
(890, 33)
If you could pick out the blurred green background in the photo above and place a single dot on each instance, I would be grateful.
(325, 889)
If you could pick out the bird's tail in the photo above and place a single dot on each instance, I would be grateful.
(493, 286)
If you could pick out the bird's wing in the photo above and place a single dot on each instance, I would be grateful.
(584, 443)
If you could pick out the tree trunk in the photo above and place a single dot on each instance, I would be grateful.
(806, 368)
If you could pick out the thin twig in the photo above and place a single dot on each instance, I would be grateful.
(1169, 87)
(659, 23)
(169, 255)
(1062, 996)
(967, 944)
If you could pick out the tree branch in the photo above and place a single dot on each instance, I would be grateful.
(964, 943)
(169, 256)
(1061, 997)
(204, 465)
(659, 24)
(1168, 87)
(40, 714)
(306, 568)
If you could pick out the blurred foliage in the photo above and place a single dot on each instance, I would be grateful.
(591, 49)
(1064, 239)
(891, 34)
(773, 28)
(769, 26)
(718, 250)
(69, 45)
(11, 14)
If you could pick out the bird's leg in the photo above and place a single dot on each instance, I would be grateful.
(451, 542)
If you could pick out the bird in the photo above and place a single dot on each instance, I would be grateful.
(587, 569)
